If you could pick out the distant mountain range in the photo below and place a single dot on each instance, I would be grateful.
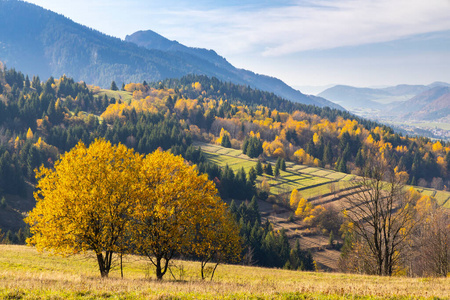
(40, 42)
(402, 102)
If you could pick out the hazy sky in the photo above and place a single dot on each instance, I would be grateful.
(306, 42)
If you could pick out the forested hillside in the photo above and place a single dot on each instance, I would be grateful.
(47, 44)
(39, 120)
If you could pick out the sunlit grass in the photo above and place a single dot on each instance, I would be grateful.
(118, 95)
(27, 274)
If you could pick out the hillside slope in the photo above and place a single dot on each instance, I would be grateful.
(49, 44)
(223, 69)
(431, 104)
(354, 97)
(403, 104)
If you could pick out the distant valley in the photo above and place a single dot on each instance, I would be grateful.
(413, 109)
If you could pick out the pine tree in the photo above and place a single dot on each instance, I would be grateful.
(226, 141)
(283, 164)
(327, 155)
(276, 171)
(252, 175)
(342, 166)
(359, 160)
(259, 168)
(27, 82)
(268, 169)
(114, 86)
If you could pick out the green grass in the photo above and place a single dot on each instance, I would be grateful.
(311, 181)
(122, 95)
(27, 274)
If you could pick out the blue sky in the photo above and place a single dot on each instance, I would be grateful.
(304, 43)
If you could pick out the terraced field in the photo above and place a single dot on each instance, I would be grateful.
(318, 185)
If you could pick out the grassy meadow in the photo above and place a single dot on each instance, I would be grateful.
(122, 95)
(27, 274)
(312, 182)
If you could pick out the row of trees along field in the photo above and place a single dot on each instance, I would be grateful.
(41, 120)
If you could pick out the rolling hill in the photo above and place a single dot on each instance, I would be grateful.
(49, 44)
(432, 104)
(354, 97)
(403, 104)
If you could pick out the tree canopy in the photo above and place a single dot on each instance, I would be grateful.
(109, 199)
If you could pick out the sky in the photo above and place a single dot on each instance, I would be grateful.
(305, 43)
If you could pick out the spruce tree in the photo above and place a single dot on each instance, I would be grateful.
(276, 171)
(327, 155)
(268, 169)
(359, 160)
(114, 86)
(226, 141)
(259, 168)
(283, 164)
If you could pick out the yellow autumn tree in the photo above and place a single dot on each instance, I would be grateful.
(303, 208)
(295, 198)
(174, 203)
(217, 240)
(84, 203)
(30, 134)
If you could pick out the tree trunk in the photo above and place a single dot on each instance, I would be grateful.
(121, 265)
(160, 270)
(214, 270)
(104, 271)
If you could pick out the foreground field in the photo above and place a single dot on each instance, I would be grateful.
(27, 274)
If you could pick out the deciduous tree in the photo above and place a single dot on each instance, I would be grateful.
(174, 206)
(84, 203)
(381, 214)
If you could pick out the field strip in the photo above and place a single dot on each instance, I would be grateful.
(313, 182)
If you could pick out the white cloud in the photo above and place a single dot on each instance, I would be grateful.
(283, 28)
(321, 24)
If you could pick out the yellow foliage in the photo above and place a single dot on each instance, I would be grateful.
(223, 132)
(82, 201)
(295, 198)
(316, 138)
(304, 208)
(370, 140)
(197, 86)
(437, 147)
(304, 158)
(174, 202)
(265, 186)
(274, 149)
(105, 198)
(30, 134)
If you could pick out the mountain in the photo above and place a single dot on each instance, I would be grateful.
(353, 97)
(223, 69)
(404, 102)
(432, 104)
(38, 41)
(356, 98)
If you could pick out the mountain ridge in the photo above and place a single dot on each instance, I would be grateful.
(49, 44)
(402, 102)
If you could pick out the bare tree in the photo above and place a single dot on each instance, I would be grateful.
(381, 214)
(431, 244)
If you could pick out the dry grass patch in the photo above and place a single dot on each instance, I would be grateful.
(26, 274)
